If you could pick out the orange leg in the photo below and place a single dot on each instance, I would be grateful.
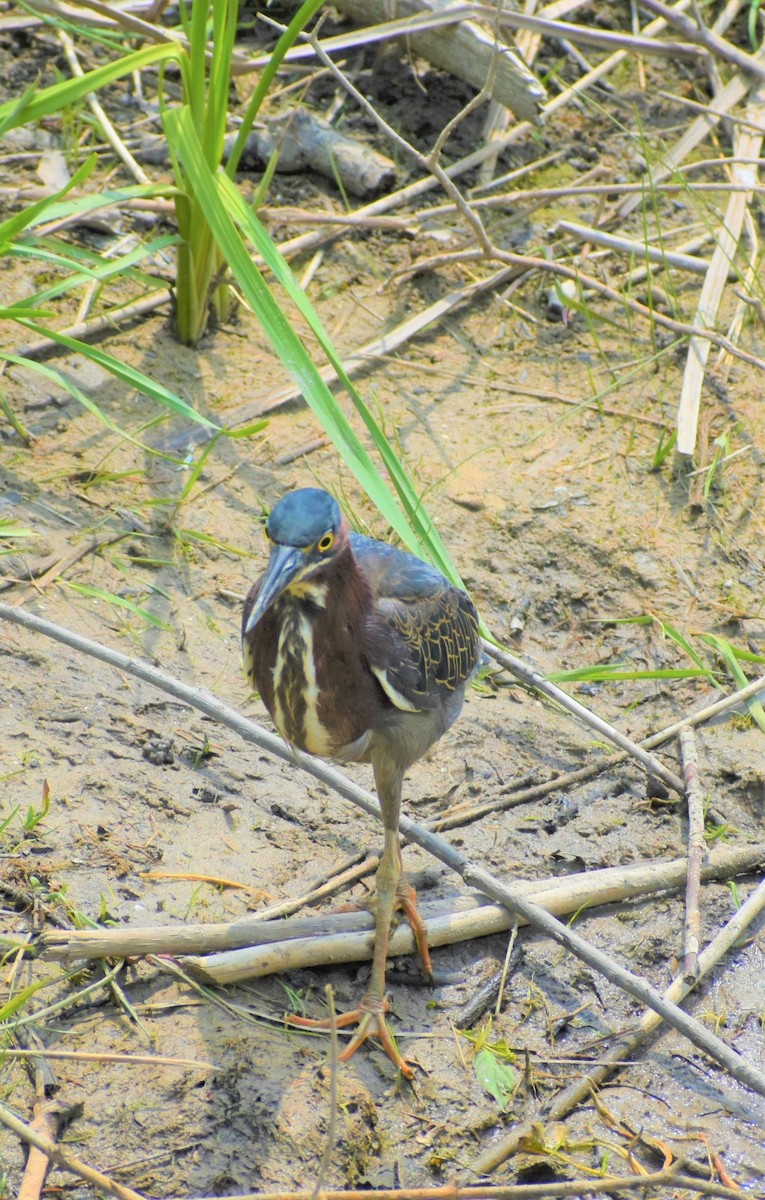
(392, 892)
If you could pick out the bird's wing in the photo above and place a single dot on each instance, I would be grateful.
(423, 634)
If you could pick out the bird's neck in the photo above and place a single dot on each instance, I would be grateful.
(339, 591)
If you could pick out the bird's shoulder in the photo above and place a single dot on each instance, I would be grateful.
(423, 632)
(394, 574)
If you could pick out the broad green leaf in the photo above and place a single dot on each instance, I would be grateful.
(499, 1079)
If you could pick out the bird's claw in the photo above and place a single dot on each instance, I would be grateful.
(406, 902)
(370, 1017)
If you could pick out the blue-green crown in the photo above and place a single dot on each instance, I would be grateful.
(302, 517)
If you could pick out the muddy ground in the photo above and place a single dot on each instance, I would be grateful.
(559, 525)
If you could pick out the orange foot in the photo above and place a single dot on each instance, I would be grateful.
(370, 1017)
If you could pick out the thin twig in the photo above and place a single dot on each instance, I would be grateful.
(134, 1060)
(65, 1160)
(110, 133)
(574, 1189)
(540, 684)
(506, 966)
(706, 38)
(654, 254)
(696, 852)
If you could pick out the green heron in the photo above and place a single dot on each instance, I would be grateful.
(360, 652)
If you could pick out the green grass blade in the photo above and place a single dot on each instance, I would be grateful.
(423, 538)
(278, 329)
(53, 100)
(85, 589)
(101, 272)
(129, 375)
(728, 653)
(606, 672)
(14, 226)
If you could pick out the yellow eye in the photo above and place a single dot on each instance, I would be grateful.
(324, 544)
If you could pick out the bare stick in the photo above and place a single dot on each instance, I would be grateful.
(49, 1115)
(458, 920)
(111, 319)
(473, 875)
(735, 700)
(540, 684)
(110, 133)
(573, 1188)
(664, 258)
(696, 851)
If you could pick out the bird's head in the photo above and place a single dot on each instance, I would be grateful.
(307, 531)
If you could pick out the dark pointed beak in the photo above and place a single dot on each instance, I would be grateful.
(284, 565)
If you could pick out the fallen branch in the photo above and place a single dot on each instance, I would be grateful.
(696, 851)
(447, 922)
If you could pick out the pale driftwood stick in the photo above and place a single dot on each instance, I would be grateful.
(468, 921)
(664, 258)
(624, 1047)
(735, 700)
(745, 145)
(473, 875)
(464, 49)
(471, 915)
(540, 684)
(65, 1160)
(696, 852)
(135, 1060)
(111, 319)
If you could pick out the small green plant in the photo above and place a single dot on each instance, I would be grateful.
(493, 1065)
(667, 441)
(35, 816)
